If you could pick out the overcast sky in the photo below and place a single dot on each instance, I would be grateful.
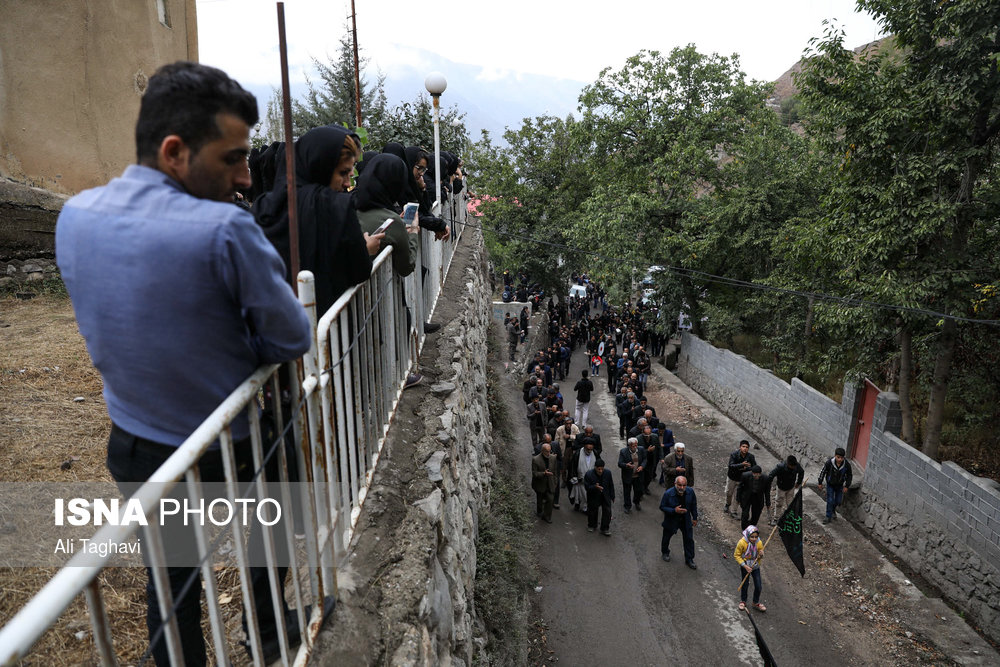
(572, 39)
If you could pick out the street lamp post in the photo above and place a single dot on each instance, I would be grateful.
(435, 83)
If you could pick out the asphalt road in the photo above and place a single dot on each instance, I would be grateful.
(613, 601)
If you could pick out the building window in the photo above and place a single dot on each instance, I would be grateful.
(161, 12)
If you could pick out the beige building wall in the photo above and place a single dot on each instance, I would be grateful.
(72, 73)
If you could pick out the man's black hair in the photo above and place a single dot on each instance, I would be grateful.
(791, 460)
(183, 98)
(839, 452)
(745, 442)
(584, 372)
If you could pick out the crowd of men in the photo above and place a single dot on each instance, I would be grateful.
(569, 454)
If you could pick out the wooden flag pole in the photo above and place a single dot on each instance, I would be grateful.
(764, 548)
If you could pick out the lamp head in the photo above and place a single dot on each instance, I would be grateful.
(435, 83)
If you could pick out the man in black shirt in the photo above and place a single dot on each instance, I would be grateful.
(583, 389)
(740, 462)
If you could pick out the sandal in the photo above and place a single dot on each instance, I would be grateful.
(759, 607)
(743, 606)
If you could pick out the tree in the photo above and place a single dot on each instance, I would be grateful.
(662, 130)
(913, 129)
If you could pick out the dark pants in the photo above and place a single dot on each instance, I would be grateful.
(131, 461)
(649, 472)
(543, 503)
(632, 491)
(673, 525)
(834, 497)
(596, 501)
(755, 575)
(751, 513)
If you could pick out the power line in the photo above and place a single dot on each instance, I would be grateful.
(723, 280)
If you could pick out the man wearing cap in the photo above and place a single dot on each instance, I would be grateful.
(678, 463)
(753, 493)
(680, 512)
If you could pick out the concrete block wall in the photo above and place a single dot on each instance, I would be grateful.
(936, 517)
(791, 418)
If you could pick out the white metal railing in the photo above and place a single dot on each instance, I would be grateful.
(351, 382)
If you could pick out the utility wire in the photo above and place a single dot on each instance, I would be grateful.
(723, 280)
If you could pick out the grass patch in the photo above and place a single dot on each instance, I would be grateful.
(505, 554)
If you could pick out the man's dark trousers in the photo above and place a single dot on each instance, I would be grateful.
(750, 514)
(683, 525)
(632, 490)
(131, 461)
(596, 500)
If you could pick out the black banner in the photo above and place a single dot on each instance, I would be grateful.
(790, 527)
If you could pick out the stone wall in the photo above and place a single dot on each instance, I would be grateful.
(941, 521)
(406, 592)
(791, 418)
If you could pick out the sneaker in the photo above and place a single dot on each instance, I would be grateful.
(759, 607)
(412, 380)
(827, 519)
(555, 506)
(691, 565)
(665, 557)
(606, 533)
(431, 327)
(628, 510)
(590, 529)
(638, 508)
(726, 510)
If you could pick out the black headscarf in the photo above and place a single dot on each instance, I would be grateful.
(366, 159)
(331, 243)
(382, 185)
(395, 148)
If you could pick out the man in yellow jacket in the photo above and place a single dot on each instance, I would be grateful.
(749, 552)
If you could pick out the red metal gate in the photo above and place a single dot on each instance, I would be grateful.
(863, 425)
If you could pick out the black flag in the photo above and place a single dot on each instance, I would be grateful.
(765, 653)
(790, 527)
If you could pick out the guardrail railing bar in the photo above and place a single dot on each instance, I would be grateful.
(100, 625)
(164, 596)
(249, 604)
(193, 479)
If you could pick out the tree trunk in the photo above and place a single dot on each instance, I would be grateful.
(939, 388)
(905, 380)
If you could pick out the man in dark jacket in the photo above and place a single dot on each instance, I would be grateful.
(590, 436)
(680, 512)
(740, 462)
(753, 495)
(787, 476)
(650, 442)
(536, 420)
(600, 496)
(837, 473)
(632, 462)
(583, 389)
(544, 480)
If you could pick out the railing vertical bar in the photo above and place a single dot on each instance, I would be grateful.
(164, 595)
(249, 604)
(343, 519)
(277, 587)
(350, 409)
(193, 478)
(100, 624)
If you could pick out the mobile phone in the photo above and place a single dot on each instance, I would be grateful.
(384, 226)
(410, 212)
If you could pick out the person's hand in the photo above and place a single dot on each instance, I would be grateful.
(412, 229)
(680, 470)
(373, 243)
(820, 486)
(639, 469)
(747, 569)
(598, 487)
(630, 465)
(548, 472)
(443, 236)
(845, 489)
(680, 510)
(694, 522)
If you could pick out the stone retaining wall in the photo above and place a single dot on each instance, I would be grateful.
(406, 592)
(943, 522)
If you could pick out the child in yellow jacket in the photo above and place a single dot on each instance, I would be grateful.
(749, 552)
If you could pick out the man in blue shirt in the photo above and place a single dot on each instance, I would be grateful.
(179, 297)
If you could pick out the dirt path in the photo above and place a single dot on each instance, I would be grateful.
(613, 601)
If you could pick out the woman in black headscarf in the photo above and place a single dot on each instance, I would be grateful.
(380, 189)
(331, 243)
(366, 159)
